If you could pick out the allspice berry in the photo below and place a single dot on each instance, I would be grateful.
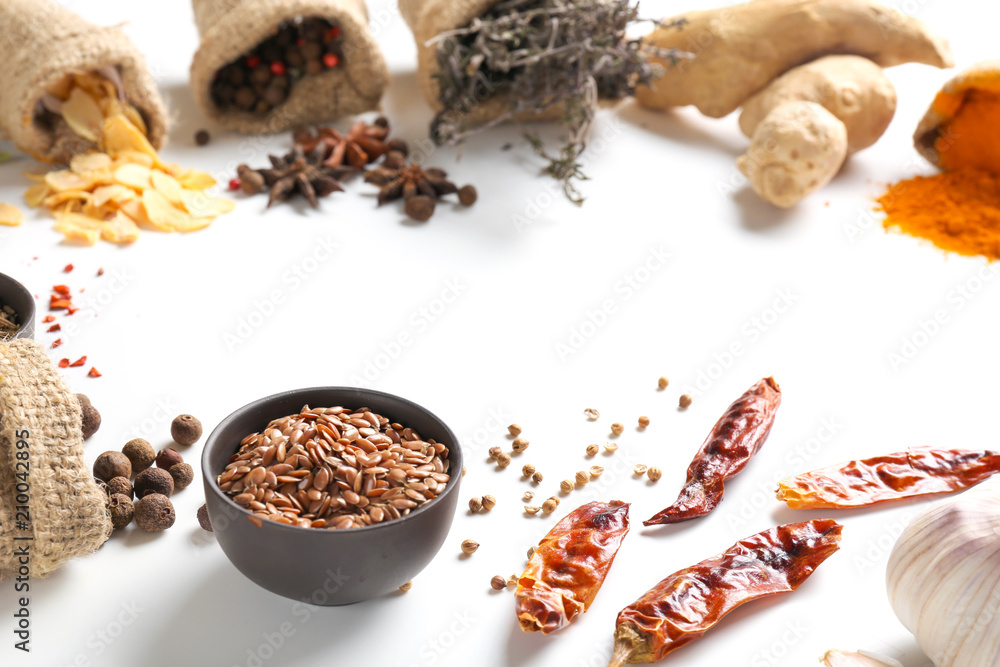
(203, 519)
(120, 486)
(91, 419)
(154, 481)
(154, 513)
(420, 208)
(183, 475)
(202, 137)
(121, 509)
(168, 458)
(185, 430)
(112, 464)
(140, 453)
(467, 195)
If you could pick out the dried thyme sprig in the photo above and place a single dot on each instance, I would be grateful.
(539, 54)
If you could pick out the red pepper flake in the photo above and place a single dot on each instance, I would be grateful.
(55, 327)
(61, 289)
(60, 304)
(71, 310)
(68, 268)
(63, 363)
(57, 342)
(331, 60)
(100, 271)
(277, 68)
(49, 318)
(253, 62)
(93, 373)
(79, 362)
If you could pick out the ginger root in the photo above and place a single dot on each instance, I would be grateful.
(797, 149)
(740, 49)
(852, 88)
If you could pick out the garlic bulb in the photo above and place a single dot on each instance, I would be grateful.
(944, 580)
(859, 659)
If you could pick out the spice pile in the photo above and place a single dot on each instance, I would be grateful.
(262, 79)
(109, 193)
(152, 486)
(334, 468)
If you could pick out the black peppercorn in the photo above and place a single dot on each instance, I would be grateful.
(112, 464)
(203, 518)
(119, 486)
(153, 481)
(185, 430)
(154, 513)
(202, 137)
(91, 419)
(122, 510)
(183, 475)
(140, 453)
(168, 458)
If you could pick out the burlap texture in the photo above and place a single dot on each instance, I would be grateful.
(231, 28)
(428, 19)
(68, 517)
(983, 76)
(41, 41)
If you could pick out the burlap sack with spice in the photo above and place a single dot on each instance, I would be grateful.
(231, 28)
(66, 513)
(428, 19)
(41, 41)
(983, 76)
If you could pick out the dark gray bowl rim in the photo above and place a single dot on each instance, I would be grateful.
(24, 317)
(210, 445)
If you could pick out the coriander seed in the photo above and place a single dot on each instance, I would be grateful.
(685, 401)
(531, 552)
(185, 430)
(498, 583)
(611, 447)
(154, 481)
(519, 445)
(154, 513)
(527, 470)
(495, 453)
(654, 473)
(596, 471)
(532, 509)
(640, 468)
(203, 519)
(643, 422)
(549, 506)
(140, 453)
(475, 504)
(168, 458)
(528, 495)
(112, 464)
(183, 475)
(405, 587)
(537, 478)
(514, 430)
(592, 450)
(503, 460)
(489, 502)
(566, 486)
(512, 581)
(121, 510)
(592, 414)
(582, 477)
(662, 382)
(617, 428)
(469, 547)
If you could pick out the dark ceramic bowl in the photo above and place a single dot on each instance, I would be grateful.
(15, 295)
(317, 565)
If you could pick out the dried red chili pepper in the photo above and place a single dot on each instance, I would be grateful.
(68, 268)
(57, 342)
(733, 441)
(79, 362)
(61, 289)
(891, 477)
(49, 318)
(55, 327)
(63, 363)
(682, 607)
(569, 566)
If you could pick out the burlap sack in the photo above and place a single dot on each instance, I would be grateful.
(41, 41)
(66, 509)
(983, 76)
(428, 19)
(231, 28)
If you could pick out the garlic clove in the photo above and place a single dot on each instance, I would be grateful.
(859, 659)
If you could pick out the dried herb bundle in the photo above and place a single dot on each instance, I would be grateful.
(538, 54)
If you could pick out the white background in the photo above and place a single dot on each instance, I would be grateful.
(660, 183)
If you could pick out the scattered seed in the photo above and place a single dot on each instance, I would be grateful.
(640, 468)
(617, 428)
(532, 509)
(592, 414)
(503, 460)
(611, 447)
(592, 450)
(685, 401)
(643, 422)
(528, 495)
(469, 546)
(489, 502)
(202, 137)
(475, 504)
(566, 486)
(582, 477)
(495, 453)
(498, 583)
(537, 478)
(527, 470)
(405, 587)
(596, 471)
(512, 581)
(514, 430)
(531, 552)
(662, 383)
(519, 444)
(549, 506)
(654, 473)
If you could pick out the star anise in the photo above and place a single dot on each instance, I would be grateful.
(302, 173)
(409, 180)
(362, 145)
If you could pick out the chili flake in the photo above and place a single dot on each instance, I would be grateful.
(79, 362)
(55, 327)
(93, 373)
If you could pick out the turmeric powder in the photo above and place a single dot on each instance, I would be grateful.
(957, 210)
